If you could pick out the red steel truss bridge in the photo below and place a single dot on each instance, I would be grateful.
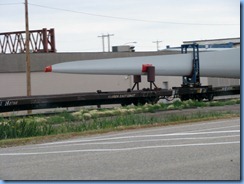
(41, 41)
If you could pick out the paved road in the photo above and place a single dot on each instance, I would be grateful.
(200, 151)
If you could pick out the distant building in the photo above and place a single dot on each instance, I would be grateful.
(217, 43)
(123, 48)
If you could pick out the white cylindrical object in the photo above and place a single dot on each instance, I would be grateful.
(224, 63)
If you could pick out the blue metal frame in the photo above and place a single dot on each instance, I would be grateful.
(194, 79)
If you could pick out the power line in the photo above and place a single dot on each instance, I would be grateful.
(130, 19)
(6, 4)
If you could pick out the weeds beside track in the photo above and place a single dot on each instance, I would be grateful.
(88, 121)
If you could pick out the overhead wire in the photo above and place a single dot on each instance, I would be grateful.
(130, 19)
(6, 4)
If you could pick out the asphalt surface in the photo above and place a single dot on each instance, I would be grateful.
(199, 151)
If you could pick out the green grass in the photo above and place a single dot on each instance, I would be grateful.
(87, 120)
(34, 133)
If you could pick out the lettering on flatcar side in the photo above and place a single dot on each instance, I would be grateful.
(10, 103)
(122, 96)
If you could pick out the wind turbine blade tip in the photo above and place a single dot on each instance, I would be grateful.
(48, 69)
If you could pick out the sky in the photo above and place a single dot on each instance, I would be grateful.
(78, 23)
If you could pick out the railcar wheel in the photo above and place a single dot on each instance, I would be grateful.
(210, 97)
(184, 97)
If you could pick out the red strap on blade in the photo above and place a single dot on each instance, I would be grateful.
(145, 66)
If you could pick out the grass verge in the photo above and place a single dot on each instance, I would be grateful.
(45, 132)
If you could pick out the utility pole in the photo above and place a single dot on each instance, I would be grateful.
(102, 42)
(108, 36)
(109, 41)
(27, 52)
(157, 42)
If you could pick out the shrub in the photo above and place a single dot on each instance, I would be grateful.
(87, 116)
(170, 107)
